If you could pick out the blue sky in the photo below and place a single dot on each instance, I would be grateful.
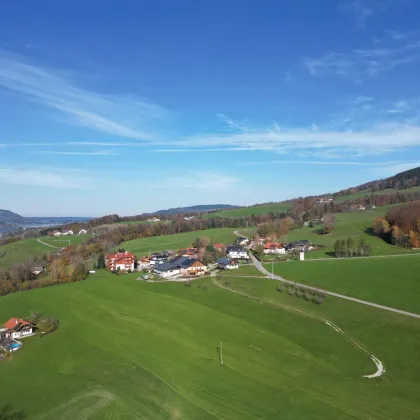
(133, 106)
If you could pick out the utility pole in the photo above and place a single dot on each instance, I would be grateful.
(221, 353)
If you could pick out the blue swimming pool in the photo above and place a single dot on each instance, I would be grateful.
(14, 346)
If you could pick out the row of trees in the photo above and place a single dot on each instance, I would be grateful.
(352, 248)
(302, 293)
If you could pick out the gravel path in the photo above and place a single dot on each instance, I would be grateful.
(263, 270)
(44, 243)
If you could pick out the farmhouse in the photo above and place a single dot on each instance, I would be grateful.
(357, 207)
(120, 260)
(167, 269)
(188, 252)
(143, 263)
(241, 240)
(219, 247)
(186, 267)
(82, 232)
(68, 232)
(37, 270)
(298, 245)
(158, 258)
(227, 264)
(56, 233)
(18, 328)
(236, 252)
(323, 200)
(154, 219)
(4, 334)
(274, 248)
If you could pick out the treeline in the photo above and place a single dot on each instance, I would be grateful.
(306, 209)
(275, 229)
(352, 248)
(400, 226)
(403, 180)
(67, 265)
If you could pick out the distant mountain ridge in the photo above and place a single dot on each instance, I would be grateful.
(8, 217)
(195, 209)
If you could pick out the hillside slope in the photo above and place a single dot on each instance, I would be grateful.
(8, 217)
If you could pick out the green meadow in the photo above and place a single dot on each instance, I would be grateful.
(351, 224)
(367, 192)
(127, 349)
(21, 251)
(142, 246)
(248, 211)
(391, 281)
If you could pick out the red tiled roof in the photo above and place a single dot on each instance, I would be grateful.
(188, 251)
(272, 245)
(12, 322)
(218, 246)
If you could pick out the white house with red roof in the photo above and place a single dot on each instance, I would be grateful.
(120, 260)
(274, 248)
(18, 328)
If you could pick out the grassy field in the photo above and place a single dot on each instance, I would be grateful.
(133, 350)
(362, 194)
(159, 243)
(20, 251)
(392, 281)
(352, 224)
(248, 211)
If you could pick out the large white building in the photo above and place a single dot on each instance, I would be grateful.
(237, 253)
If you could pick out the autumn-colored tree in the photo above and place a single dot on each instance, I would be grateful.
(395, 235)
(380, 226)
(413, 239)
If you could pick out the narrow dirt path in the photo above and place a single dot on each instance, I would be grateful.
(263, 270)
(44, 243)
(353, 342)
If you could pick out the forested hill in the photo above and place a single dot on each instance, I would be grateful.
(7, 217)
(402, 180)
(195, 209)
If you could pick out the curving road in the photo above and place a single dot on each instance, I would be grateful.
(44, 243)
(260, 267)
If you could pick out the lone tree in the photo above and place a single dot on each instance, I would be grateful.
(101, 261)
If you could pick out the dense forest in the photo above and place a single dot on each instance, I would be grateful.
(400, 226)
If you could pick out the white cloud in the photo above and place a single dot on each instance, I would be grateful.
(389, 170)
(122, 115)
(76, 153)
(362, 63)
(363, 10)
(361, 100)
(49, 178)
(399, 107)
(400, 36)
(202, 181)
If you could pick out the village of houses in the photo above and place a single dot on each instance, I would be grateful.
(186, 263)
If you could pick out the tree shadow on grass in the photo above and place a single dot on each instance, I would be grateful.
(369, 231)
(7, 413)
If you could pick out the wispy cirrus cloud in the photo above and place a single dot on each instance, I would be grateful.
(44, 177)
(363, 63)
(198, 180)
(121, 115)
(362, 10)
(401, 36)
(76, 153)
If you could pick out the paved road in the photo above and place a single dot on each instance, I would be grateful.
(260, 267)
(263, 270)
(44, 243)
